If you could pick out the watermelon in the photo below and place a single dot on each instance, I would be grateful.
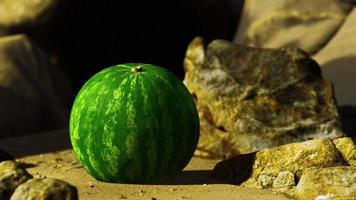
(134, 123)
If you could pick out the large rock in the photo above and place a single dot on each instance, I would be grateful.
(327, 183)
(20, 15)
(11, 176)
(45, 188)
(282, 23)
(250, 99)
(30, 88)
(271, 167)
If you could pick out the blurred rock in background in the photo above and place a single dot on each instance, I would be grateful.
(295, 23)
(324, 28)
(23, 15)
(32, 90)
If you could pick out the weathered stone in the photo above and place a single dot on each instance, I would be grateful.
(284, 179)
(347, 149)
(45, 188)
(19, 15)
(277, 167)
(327, 183)
(30, 100)
(5, 156)
(11, 176)
(250, 99)
(265, 181)
(282, 23)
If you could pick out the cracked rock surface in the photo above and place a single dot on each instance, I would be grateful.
(250, 99)
(327, 183)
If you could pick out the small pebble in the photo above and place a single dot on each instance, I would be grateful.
(91, 184)
(39, 161)
(152, 198)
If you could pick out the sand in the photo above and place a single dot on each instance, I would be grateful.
(49, 155)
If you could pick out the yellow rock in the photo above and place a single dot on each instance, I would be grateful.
(347, 148)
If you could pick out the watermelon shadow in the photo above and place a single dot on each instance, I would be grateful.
(192, 177)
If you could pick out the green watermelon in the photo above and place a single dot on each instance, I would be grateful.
(134, 123)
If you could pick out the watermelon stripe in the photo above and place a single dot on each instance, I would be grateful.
(141, 131)
(180, 142)
(179, 104)
(95, 161)
(90, 121)
(120, 116)
(165, 122)
(154, 122)
(111, 152)
(170, 139)
(134, 162)
(145, 130)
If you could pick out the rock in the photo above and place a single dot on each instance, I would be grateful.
(347, 149)
(45, 188)
(5, 156)
(327, 183)
(30, 99)
(19, 16)
(290, 23)
(278, 167)
(249, 99)
(265, 181)
(284, 179)
(308, 170)
(11, 176)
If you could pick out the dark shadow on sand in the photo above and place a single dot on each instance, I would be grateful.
(231, 171)
(192, 177)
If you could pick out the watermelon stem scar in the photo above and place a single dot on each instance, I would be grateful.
(136, 69)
